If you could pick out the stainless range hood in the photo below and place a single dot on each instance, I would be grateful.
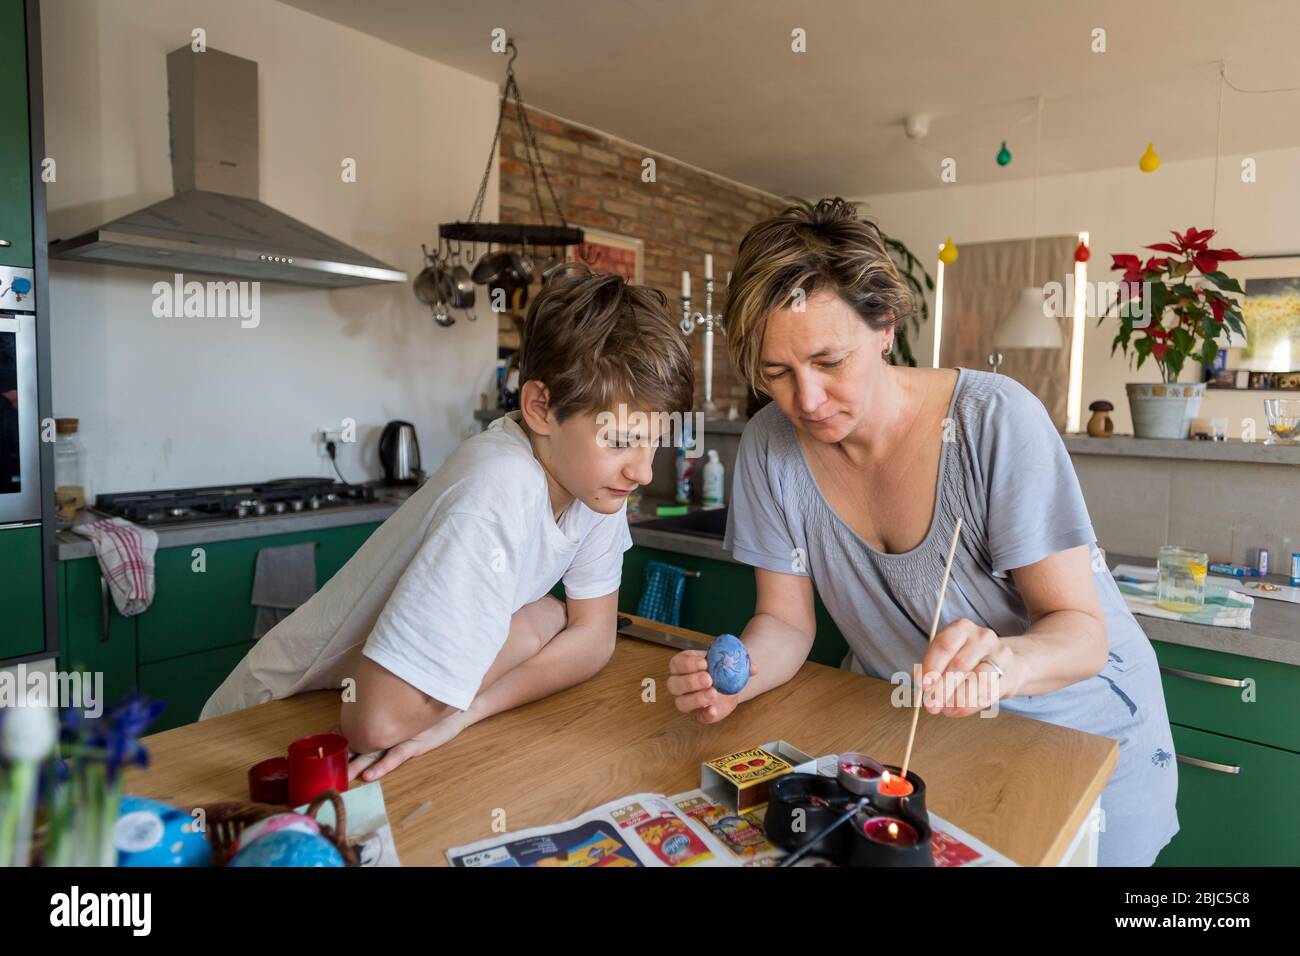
(215, 222)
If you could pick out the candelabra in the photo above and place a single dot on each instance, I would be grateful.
(706, 320)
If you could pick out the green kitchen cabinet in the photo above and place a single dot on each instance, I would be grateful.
(1203, 690)
(95, 638)
(186, 683)
(1237, 740)
(1236, 803)
(198, 628)
(721, 600)
(15, 139)
(22, 614)
(202, 597)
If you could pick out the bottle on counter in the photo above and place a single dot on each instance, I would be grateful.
(685, 475)
(69, 473)
(714, 481)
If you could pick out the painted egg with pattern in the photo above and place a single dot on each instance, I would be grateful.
(285, 848)
(728, 662)
(150, 833)
(273, 824)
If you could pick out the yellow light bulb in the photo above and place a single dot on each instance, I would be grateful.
(948, 253)
(1149, 162)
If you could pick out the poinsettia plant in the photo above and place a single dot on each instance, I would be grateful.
(1181, 305)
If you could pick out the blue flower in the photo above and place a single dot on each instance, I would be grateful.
(1161, 757)
(127, 722)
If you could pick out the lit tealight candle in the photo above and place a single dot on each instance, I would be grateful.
(891, 831)
(892, 785)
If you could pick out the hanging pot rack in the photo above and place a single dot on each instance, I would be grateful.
(509, 233)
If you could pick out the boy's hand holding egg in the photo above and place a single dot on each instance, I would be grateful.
(706, 684)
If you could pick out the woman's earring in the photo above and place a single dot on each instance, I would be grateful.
(888, 351)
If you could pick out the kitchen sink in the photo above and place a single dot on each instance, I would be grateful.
(703, 524)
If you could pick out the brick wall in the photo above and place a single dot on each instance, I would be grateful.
(679, 217)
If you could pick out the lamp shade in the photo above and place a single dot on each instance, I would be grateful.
(1027, 326)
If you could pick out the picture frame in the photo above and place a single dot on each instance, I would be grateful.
(1271, 312)
(607, 252)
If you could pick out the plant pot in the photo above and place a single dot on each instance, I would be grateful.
(1163, 410)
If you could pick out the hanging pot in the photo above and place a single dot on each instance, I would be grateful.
(462, 296)
(521, 269)
(491, 269)
(426, 285)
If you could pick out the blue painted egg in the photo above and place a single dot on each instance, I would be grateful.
(289, 848)
(150, 833)
(728, 664)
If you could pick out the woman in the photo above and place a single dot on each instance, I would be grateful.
(853, 479)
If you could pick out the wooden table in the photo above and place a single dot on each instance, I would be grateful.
(1024, 787)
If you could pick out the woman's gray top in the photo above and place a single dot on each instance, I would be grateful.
(1005, 471)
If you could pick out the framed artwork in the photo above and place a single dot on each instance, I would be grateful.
(609, 252)
(1271, 311)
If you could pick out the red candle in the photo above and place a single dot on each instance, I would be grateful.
(890, 831)
(316, 764)
(268, 781)
(893, 785)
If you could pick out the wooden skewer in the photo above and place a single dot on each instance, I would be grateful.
(934, 626)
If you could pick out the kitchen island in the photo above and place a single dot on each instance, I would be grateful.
(1026, 788)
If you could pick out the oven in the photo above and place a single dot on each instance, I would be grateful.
(20, 478)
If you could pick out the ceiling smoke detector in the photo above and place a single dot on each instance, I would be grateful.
(917, 125)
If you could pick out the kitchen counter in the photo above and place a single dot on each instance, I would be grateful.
(72, 546)
(1024, 787)
(1126, 446)
(1274, 634)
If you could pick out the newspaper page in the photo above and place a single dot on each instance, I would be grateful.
(688, 829)
(640, 830)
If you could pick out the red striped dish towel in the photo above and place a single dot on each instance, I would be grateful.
(125, 552)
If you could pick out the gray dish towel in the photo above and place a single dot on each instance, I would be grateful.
(284, 579)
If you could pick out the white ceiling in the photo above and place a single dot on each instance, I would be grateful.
(714, 82)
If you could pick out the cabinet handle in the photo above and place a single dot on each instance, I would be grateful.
(5, 243)
(1207, 678)
(1208, 765)
(103, 609)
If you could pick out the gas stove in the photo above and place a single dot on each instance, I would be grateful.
(226, 502)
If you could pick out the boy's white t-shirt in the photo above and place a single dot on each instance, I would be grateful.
(430, 594)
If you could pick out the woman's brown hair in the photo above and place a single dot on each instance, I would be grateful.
(813, 247)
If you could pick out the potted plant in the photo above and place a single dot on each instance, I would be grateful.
(908, 265)
(1171, 308)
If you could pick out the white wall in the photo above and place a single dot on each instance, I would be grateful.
(1122, 210)
(182, 402)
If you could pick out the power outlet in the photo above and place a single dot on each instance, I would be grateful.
(323, 437)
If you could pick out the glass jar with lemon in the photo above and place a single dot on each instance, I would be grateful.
(1180, 579)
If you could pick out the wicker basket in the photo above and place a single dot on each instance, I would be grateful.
(226, 821)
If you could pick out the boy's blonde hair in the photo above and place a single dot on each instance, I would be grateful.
(597, 340)
(813, 247)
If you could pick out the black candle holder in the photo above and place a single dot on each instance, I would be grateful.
(802, 807)
(866, 849)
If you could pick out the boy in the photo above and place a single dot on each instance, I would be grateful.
(443, 616)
